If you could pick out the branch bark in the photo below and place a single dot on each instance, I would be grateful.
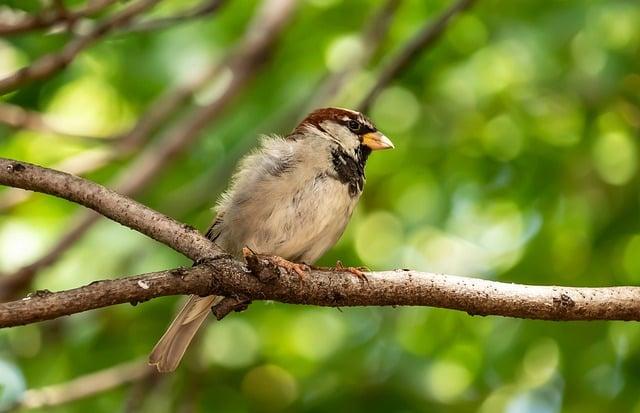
(416, 45)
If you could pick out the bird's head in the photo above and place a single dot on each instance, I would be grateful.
(349, 131)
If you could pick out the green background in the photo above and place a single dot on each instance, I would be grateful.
(516, 160)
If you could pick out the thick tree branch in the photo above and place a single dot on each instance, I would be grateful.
(51, 63)
(260, 279)
(416, 45)
(335, 288)
(126, 211)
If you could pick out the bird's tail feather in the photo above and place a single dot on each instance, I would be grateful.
(166, 355)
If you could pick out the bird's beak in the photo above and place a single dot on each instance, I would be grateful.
(376, 141)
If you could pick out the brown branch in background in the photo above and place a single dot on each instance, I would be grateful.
(425, 38)
(371, 38)
(334, 288)
(85, 386)
(206, 8)
(50, 18)
(242, 64)
(19, 118)
(52, 63)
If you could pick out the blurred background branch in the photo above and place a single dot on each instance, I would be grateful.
(50, 64)
(49, 18)
(85, 386)
(425, 37)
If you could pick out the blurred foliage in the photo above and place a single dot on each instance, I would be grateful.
(516, 160)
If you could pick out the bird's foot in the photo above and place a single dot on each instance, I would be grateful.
(293, 267)
(257, 264)
(357, 271)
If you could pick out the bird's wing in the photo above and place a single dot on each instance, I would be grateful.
(215, 229)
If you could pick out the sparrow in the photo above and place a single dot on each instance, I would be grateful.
(291, 198)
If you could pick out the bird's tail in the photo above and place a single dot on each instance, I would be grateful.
(166, 355)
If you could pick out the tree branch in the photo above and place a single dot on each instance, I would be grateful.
(335, 288)
(416, 45)
(126, 211)
(51, 63)
(260, 279)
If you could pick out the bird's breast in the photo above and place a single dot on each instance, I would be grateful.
(298, 218)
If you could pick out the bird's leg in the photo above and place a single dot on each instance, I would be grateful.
(357, 271)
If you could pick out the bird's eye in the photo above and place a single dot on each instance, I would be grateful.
(354, 126)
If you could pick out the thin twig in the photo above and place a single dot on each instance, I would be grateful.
(206, 8)
(414, 47)
(85, 386)
(50, 18)
(52, 63)
(19, 118)
(371, 38)
(243, 64)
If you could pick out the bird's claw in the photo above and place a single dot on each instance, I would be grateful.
(357, 271)
(299, 268)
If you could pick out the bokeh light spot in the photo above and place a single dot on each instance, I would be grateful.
(615, 159)
(502, 138)
(396, 110)
(317, 334)
(271, 387)
(540, 362)
(377, 237)
(343, 51)
(447, 380)
(231, 344)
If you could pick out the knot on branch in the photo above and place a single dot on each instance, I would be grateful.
(563, 302)
(15, 167)
(262, 266)
(38, 294)
(229, 304)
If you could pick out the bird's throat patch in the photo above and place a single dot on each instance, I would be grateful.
(350, 170)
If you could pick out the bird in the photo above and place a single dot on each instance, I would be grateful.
(291, 198)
